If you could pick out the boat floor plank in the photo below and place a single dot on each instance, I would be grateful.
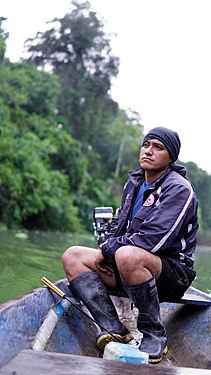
(45, 363)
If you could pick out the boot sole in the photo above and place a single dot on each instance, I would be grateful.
(104, 339)
(157, 360)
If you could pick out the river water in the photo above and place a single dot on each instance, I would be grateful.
(26, 257)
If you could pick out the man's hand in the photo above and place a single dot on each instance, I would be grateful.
(102, 265)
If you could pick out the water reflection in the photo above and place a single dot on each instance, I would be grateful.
(203, 266)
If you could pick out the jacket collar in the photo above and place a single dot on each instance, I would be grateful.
(137, 175)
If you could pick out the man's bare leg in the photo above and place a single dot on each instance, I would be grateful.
(80, 259)
(139, 270)
(88, 277)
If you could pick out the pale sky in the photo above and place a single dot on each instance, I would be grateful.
(165, 60)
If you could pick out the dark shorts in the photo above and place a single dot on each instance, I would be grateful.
(173, 282)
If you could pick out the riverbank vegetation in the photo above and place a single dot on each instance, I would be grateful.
(65, 145)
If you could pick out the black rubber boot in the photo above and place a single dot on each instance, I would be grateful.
(90, 289)
(154, 340)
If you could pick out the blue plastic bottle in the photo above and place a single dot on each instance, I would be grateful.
(125, 353)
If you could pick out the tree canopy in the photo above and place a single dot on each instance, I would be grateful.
(79, 52)
(65, 145)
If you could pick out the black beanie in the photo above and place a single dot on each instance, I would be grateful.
(168, 137)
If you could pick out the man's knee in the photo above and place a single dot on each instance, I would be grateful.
(137, 265)
(71, 256)
(128, 256)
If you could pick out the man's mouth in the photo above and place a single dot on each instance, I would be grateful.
(146, 159)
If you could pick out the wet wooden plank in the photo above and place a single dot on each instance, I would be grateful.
(193, 299)
(45, 363)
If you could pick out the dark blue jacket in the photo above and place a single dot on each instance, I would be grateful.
(166, 224)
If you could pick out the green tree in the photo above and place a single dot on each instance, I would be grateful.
(202, 184)
(33, 191)
(3, 38)
(25, 90)
(79, 52)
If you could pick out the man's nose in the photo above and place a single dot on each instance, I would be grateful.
(149, 150)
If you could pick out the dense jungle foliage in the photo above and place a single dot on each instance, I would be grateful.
(65, 145)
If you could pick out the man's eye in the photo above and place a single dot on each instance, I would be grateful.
(159, 147)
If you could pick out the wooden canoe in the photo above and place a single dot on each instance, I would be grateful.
(72, 342)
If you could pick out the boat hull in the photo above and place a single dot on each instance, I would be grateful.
(20, 320)
(188, 327)
(189, 334)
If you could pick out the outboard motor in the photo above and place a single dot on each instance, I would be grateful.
(102, 220)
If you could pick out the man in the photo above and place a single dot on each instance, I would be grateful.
(149, 250)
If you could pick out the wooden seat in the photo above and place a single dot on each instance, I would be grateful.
(45, 363)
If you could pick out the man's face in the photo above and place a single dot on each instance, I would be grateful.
(154, 156)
